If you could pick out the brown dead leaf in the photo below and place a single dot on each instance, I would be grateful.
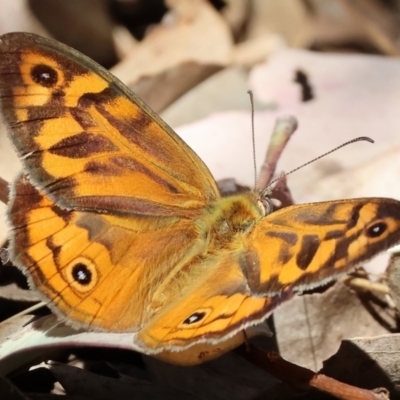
(92, 36)
(334, 28)
(309, 328)
(368, 362)
(375, 22)
(193, 31)
(288, 18)
(223, 91)
(160, 90)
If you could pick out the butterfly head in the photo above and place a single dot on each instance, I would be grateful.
(265, 201)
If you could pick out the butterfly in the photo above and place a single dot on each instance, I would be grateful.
(121, 227)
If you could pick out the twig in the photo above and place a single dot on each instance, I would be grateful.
(303, 379)
(4, 191)
(366, 284)
(283, 130)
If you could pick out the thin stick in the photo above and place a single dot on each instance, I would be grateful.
(253, 138)
(27, 311)
(3, 191)
(284, 128)
(301, 378)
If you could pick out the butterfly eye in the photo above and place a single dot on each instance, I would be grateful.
(265, 206)
(376, 229)
(196, 317)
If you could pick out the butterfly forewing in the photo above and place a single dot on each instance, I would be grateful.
(81, 134)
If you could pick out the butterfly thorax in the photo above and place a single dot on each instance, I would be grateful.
(230, 217)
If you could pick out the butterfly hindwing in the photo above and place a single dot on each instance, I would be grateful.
(96, 270)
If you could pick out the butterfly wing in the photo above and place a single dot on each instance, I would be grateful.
(97, 270)
(217, 305)
(102, 272)
(88, 141)
(303, 246)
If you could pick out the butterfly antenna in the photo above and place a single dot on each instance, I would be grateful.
(359, 139)
(253, 138)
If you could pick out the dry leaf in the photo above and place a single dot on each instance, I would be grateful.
(198, 34)
(369, 362)
(309, 328)
(288, 18)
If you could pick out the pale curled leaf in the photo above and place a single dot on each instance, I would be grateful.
(39, 340)
(47, 333)
(14, 292)
(198, 33)
(353, 95)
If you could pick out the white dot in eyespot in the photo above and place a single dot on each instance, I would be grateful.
(82, 276)
(193, 318)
